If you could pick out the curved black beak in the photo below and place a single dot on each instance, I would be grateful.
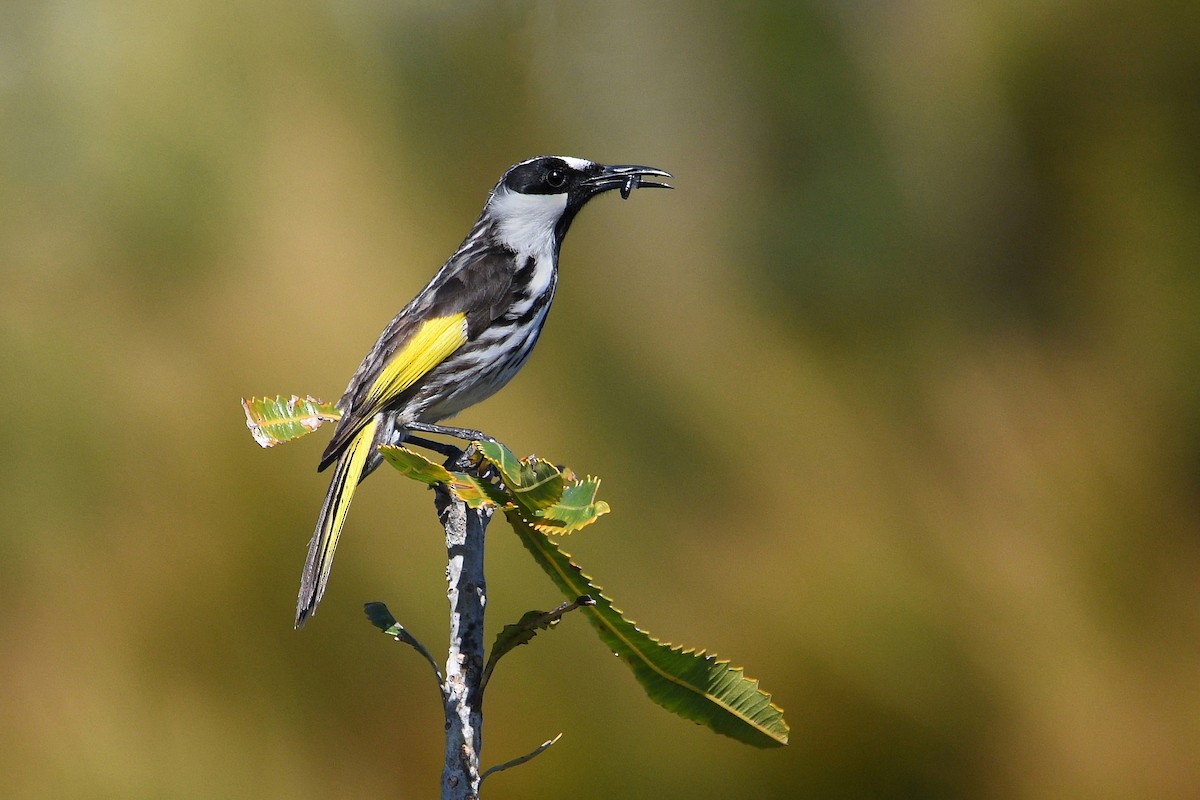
(626, 177)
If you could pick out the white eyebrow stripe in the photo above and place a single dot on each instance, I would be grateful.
(576, 163)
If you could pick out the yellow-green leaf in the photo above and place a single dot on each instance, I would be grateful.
(532, 483)
(274, 420)
(469, 488)
(576, 508)
(415, 465)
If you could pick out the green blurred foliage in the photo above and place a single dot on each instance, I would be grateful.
(919, 332)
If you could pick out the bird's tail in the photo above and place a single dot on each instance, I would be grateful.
(346, 475)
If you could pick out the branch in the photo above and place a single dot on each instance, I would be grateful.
(462, 689)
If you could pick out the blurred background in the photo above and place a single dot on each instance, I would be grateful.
(896, 398)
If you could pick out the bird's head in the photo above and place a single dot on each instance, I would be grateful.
(538, 198)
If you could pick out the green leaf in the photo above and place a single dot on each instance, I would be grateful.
(475, 492)
(415, 465)
(472, 490)
(499, 455)
(690, 683)
(577, 508)
(537, 488)
(516, 762)
(532, 484)
(274, 420)
(381, 618)
(548, 497)
(522, 631)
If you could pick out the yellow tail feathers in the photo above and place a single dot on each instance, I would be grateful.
(324, 541)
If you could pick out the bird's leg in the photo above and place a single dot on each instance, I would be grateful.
(461, 459)
(465, 434)
(441, 448)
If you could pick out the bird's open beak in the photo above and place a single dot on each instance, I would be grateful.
(627, 177)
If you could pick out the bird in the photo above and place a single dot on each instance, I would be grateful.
(463, 337)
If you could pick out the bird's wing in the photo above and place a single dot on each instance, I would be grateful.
(427, 345)
(463, 299)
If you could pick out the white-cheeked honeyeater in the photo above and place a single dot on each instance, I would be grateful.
(463, 336)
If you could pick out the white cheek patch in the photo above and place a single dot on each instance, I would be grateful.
(526, 221)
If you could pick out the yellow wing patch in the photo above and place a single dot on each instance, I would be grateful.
(430, 345)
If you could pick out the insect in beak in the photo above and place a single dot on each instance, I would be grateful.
(631, 183)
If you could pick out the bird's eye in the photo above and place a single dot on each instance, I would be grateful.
(556, 179)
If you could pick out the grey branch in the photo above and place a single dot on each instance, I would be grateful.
(462, 688)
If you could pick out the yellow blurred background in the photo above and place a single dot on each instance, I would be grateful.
(896, 398)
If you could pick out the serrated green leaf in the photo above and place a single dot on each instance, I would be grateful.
(522, 631)
(541, 485)
(476, 492)
(274, 420)
(533, 484)
(576, 508)
(499, 455)
(692, 684)
(469, 488)
(415, 465)
(536, 488)
(516, 634)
